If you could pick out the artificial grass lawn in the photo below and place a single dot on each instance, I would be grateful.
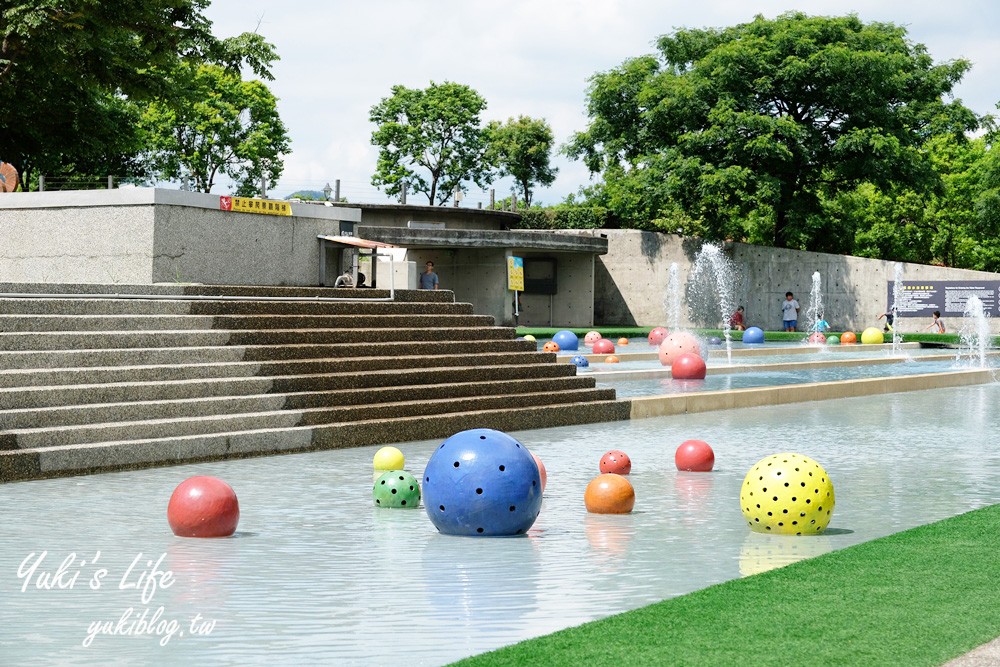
(920, 597)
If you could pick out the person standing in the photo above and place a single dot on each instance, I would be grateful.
(429, 279)
(890, 318)
(789, 312)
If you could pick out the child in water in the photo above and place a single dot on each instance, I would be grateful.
(936, 323)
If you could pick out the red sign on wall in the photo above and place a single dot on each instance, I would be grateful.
(225, 203)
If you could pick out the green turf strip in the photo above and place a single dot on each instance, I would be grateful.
(920, 597)
(774, 336)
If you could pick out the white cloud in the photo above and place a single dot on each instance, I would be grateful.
(525, 57)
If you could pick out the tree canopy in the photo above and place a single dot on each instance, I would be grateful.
(747, 132)
(522, 148)
(71, 72)
(431, 139)
(216, 124)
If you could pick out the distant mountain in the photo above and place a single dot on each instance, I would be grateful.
(307, 195)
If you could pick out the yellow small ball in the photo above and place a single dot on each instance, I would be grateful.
(389, 458)
(872, 336)
(787, 494)
(530, 337)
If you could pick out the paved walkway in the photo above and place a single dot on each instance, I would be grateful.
(987, 655)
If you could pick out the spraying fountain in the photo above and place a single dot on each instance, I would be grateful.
(975, 333)
(672, 300)
(713, 281)
(897, 301)
(814, 313)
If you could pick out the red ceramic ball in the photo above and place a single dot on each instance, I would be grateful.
(604, 346)
(688, 366)
(695, 456)
(203, 507)
(617, 462)
(541, 470)
(817, 337)
(657, 335)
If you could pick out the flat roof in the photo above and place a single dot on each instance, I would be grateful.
(528, 239)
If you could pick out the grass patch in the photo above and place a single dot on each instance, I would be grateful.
(920, 597)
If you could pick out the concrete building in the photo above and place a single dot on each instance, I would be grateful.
(147, 236)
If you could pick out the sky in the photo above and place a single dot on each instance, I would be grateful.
(530, 57)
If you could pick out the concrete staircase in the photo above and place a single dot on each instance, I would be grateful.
(112, 381)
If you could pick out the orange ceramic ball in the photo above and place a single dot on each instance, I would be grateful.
(848, 338)
(688, 366)
(616, 461)
(623, 341)
(591, 338)
(676, 344)
(609, 494)
(612, 360)
(694, 456)
(203, 507)
(541, 469)
(551, 346)
(657, 335)
(604, 346)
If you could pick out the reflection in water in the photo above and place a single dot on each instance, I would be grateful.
(609, 535)
(761, 553)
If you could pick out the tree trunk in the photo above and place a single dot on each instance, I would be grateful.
(786, 194)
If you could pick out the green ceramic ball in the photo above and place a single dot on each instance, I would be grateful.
(396, 488)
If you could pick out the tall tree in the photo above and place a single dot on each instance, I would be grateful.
(522, 148)
(431, 139)
(216, 124)
(67, 68)
(771, 116)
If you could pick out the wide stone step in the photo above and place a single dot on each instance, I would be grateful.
(119, 392)
(162, 428)
(79, 307)
(196, 338)
(28, 359)
(152, 373)
(216, 405)
(34, 463)
(113, 323)
(260, 292)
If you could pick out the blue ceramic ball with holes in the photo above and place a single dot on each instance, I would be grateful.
(482, 482)
(566, 340)
(579, 361)
(753, 336)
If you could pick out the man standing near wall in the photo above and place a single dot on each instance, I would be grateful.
(789, 312)
(429, 279)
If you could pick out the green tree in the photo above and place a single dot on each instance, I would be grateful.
(216, 124)
(69, 70)
(522, 148)
(431, 139)
(748, 129)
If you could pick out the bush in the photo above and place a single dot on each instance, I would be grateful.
(566, 217)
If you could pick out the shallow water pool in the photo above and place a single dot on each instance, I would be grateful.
(318, 575)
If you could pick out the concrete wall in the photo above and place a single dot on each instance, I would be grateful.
(144, 235)
(631, 282)
(573, 303)
(394, 215)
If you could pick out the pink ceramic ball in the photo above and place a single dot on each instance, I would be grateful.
(676, 344)
(591, 338)
(604, 346)
(657, 335)
(817, 337)
(688, 366)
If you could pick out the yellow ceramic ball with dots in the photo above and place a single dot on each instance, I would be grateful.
(389, 458)
(872, 336)
(787, 494)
